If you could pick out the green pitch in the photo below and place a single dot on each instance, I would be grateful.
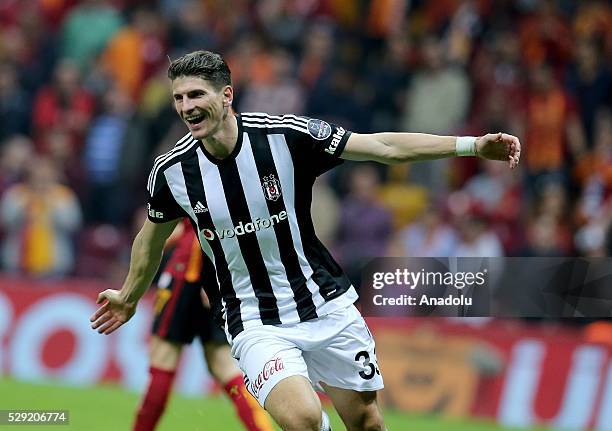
(104, 408)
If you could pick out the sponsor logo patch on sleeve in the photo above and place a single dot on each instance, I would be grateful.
(333, 145)
(319, 129)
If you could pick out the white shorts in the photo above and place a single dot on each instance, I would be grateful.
(336, 349)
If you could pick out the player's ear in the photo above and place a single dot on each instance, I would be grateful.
(228, 95)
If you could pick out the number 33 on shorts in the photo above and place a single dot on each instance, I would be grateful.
(370, 366)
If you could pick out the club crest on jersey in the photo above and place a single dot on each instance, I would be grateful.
(271, 187)
(319, 129)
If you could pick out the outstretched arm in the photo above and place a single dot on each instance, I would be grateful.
(391, 148)
(118, 306)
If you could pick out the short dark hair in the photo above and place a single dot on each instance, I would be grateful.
(205, 64)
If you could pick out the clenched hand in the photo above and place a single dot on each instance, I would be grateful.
(499, 146)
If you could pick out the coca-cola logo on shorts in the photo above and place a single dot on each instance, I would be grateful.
(269, 369)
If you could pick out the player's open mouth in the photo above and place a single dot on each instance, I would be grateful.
(195, 120)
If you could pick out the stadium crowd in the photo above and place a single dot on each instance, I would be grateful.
(85, 108)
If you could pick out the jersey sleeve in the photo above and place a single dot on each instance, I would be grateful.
(162, 207)
(321, 145)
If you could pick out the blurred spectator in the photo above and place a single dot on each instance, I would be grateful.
(103, 251)
(437, 102)
(282, 21)
(546, 37)
(15, 155)
(137, 51)
(155, 96)
(405, 200)
(27, 45)
(593, 21)
(60, 150)
(497, 194)
(9, 10)
(590, 83)
(428, 237)
(390, 76)
(553, 130)
(498, 95)
(385, 17)
(347, 109)
(439, 94)
(317, 52)
(87, 29)
(355, 245)
(552, 201)
(498, 111)
(498, 75)
(39, 51)
(594, 172)
(54, 11)
(347, 14)
(591, 240)
(162, 125)
(98, 79)
(325, 210)
(282, 94)
(548, 232)
(542, 238)
(14, 104)
(231, 20)
(113, 159)
(476, 239)
(193, 28)
(494, 191)
(39, 216)
(63, 104)
(250, 64)
(594, 206)
(464, 26)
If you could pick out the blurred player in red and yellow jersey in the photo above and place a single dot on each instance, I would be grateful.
(182, 313)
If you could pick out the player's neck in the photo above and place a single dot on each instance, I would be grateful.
(223, 141)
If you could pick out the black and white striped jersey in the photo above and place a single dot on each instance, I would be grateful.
(251, 211)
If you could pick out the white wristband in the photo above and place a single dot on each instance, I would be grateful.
(465, 146)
